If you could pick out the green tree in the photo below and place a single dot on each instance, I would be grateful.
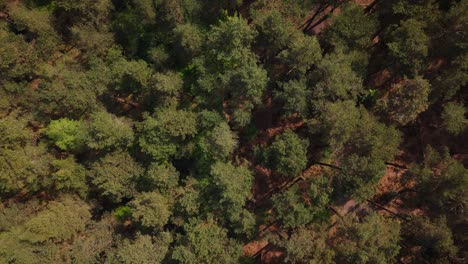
(232, 185)
(37, 238)
(409, 45)
(450, 80)
(296, 207)
(287, 154)
(294, 97)
(188, 202)
(19, 59)
(164, 91)
(38, 23)
(351, 28)
(441, 180)
(151, 210)
(88, 23)
(68, 177)
(335, 79)
(303, 51)
(435, 237)
(127, 77)
(67, 134)
(163, 177)
(188, 42)
(21, 169)
(453, 118)
(62, 220)
(14, 131)
(406, 100)
(370, 146)
(108, 132)
(274, 30)
(206, 242)
(115, 176)
(220, 142)
(142, 249)
(336, 122)
(308, 245)
(163, 134)
(374, 240)
(229, 77)
(67, 89)
(93, 242)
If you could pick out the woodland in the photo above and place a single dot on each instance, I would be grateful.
(233, 131)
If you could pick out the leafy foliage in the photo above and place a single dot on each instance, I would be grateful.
(288, 154)
(115, 176)
(67, 134)
(374, 240)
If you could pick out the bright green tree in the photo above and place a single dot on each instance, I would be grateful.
(67, 134)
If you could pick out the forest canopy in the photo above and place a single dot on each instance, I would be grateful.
(233, 131)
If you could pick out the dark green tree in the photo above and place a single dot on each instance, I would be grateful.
(108, 132)
(287, 154)
(115, 176)
(434, 236)
(408, 45)
(335, 79)
(68, 177)
(294, 96)
(229, 77)
(308, 245)
(142, 249)
(206, 242)
(161, 135)
(351, 29)
(303, 51)
(373, 240)
(406, 100)
(453, 118)
(441, 180)
(151, 210)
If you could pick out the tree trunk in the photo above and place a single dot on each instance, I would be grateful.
(320, 9)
